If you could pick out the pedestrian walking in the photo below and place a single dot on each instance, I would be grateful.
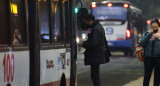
(94, 53)
(151, 45)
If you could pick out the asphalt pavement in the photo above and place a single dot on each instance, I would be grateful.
(121, 71)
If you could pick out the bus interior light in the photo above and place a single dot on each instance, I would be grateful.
(93, 5)
(128, 33)
(125, 5)
(109, 4)
(14, 8)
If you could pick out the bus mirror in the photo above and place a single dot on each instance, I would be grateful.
(81, 18)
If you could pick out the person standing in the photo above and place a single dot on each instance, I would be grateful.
(94, 53)
(151, 45)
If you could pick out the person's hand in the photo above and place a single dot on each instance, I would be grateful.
(19, 36)
(151, 31)
(15, 41)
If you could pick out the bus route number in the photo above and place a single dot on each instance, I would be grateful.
(8, 64)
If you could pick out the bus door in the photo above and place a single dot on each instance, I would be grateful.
(55, 48)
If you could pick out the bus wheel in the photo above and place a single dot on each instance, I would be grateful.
(63, 81)
(131, 53)
(125, 53)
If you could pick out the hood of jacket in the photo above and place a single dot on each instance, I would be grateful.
(94, 23)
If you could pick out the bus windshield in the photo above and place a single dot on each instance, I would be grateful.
(110, 13)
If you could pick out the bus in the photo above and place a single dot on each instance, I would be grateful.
(122, 22)
(37, 43)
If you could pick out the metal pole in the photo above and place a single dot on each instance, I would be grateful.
(72, 42)
(34, 45)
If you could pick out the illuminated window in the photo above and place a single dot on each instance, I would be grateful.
(57, 22)
(13, 23)
(44, 21)
(18, 22)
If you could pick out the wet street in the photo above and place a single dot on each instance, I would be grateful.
(120, 71)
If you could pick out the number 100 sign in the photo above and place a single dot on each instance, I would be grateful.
(8, 64)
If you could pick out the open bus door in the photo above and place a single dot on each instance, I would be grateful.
(34, 42)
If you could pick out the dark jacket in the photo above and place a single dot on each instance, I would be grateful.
(94, 46)
(151, 48)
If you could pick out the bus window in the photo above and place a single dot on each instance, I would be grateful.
(44, 21)
(18, 22)
(4, 21)
(57, 22)
(112, 13)
(16, 37)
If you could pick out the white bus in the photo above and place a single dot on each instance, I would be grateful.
(37, 43)
(122, 23)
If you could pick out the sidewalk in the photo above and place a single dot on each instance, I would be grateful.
(81, 50)
(139, 82)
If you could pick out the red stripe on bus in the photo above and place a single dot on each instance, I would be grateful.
(57, 83)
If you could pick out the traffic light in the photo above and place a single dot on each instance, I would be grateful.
(76, 10)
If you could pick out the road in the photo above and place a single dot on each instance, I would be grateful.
(118, 72)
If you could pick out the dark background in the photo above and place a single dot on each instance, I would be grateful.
(150, 8)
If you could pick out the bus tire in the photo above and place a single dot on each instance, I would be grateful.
(131, 53)
(125, 53)
(63, 81)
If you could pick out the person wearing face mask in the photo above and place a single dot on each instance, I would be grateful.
(94, 53)
(151, 45)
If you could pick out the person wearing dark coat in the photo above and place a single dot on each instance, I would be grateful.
(94, 53)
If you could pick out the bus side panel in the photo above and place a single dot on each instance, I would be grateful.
(14, 68)
(53, 66)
